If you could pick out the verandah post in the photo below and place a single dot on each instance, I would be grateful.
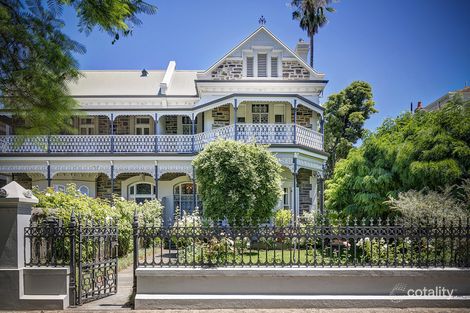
(135, 232)
(111, 131)
(295, 188)
(193, 131)
(48, 174)
(235, 110)
(295, 121)
(156, 132)
(73, 285)
(112, 179)
(156, 179)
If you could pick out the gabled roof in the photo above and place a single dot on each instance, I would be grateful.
(275, 39)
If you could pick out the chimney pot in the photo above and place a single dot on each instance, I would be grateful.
(420, 106)
(301, 49)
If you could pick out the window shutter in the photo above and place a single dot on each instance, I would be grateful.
(274, 67)
(262, 66)
(249, 67)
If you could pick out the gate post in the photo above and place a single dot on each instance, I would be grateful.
(135, 228)
(73, 284)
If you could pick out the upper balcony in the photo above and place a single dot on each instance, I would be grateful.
(270, 134)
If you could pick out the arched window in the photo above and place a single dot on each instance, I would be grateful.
(183, 197)
(139, 192)
(183, 189)
(84, 190)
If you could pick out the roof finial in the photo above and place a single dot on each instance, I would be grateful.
(262, 20)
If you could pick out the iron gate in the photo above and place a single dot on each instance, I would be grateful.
(97, 262)
(90, 249)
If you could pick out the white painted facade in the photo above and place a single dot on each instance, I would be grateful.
(145, 127)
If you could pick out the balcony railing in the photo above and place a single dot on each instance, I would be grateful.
(273, 134)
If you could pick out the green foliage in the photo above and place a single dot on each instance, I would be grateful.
(451, 204)
(345, 114)
(60, 204)
(240, 182)
(282, 218)
(414, 151)
(37, 62)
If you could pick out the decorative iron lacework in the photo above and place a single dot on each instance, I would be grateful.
(80, 168)
(185, 168)
(87, 144)
(137, 168)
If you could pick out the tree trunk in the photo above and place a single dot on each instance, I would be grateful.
(311, 51)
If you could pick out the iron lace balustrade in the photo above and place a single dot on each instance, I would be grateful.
(266, 133)
(269, 134)
(325, 244)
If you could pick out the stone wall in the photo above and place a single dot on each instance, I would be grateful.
(229, 69)
(305, 186)
(171, 124)
(294, 70)
(23, 179)
(304, 115)
(221, 116)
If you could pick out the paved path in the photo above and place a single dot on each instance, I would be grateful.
(119, 301)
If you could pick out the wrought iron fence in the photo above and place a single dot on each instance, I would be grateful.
(400, 243)
(88, 248)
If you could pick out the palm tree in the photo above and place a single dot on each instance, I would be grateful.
(311, 16)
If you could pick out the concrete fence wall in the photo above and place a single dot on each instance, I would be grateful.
(166, 288)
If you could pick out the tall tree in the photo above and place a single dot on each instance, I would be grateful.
(36, 57)
(345, 114)
(414, 151)
(311, 16)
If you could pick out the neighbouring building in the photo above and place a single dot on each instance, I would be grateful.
(437, 104)
(140, 129)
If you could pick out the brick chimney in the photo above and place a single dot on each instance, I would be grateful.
(301, 49)
(419, 107)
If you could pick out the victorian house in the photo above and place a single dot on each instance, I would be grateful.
(138, 131)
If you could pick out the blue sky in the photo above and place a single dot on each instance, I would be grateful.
(408, 50)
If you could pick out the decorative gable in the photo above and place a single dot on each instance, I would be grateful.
(261, 56)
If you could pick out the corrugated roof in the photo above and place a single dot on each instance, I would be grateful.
(130, 82)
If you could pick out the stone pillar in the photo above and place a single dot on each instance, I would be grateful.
(15, 213)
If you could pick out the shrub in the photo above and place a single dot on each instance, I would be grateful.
(238, 182)
(59, 205)
(282, 218)
(451, 204)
